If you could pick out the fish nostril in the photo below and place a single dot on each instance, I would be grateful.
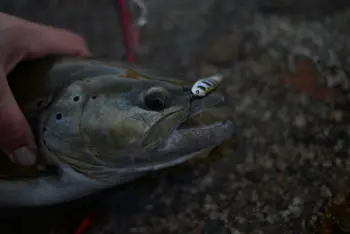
(76, 98)
(93, 97)
(58, 116)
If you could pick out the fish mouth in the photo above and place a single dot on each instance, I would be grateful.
(208, 124)
(207, 111)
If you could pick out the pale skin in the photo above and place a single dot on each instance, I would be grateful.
(23, 40)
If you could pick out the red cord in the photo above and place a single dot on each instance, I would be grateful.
(83, 226)
(126, 28)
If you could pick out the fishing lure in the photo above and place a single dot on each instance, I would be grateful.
(204, 86)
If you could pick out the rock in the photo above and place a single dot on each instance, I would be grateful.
(268, 163)
(327, 164)
(337, 115)
(326, 192)
(254, 196)
(224, 50)
(235, 231)
(300, 121)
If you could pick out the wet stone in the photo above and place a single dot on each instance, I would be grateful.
(337, 116)
(325, 191)
(327, 164)
(300, 121)
(213, 226)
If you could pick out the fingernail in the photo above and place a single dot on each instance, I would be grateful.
(23, 156)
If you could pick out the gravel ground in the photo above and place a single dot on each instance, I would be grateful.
(288, 83)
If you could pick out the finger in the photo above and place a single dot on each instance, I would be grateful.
(25, 43)
(55, 40)
(46, 40)
(16, 139)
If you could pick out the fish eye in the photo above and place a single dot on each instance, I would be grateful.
(156, 98)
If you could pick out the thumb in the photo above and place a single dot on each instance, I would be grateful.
(16, 138)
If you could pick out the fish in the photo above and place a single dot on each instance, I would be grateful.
(101, 124)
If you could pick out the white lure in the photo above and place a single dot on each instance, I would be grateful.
(204, 86)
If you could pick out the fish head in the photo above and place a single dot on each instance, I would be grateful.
(108, 123)
(102, 124)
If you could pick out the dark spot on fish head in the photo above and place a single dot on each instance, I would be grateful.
(76, 98)
(39, 103)
(58, 116)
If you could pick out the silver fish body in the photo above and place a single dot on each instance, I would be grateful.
(104, 124)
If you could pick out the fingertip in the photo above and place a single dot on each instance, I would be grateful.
(15, 130)
(85, 52)
(17, 140)
(23, 156)
(45, 40)
(70, 43)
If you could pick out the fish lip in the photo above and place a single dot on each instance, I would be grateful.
(196, 138)
(210, 117)
(193, 122)
(213, 102)
(194, 108)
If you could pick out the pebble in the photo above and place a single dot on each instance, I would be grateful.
(327, 164)
(338, 161)
(339, 145)
(281, 165)
(300, 121)
(240, 220)
(271, 219)
(296, 206)
(268, 163)
(339, 199)
(326, 192)
(337, 115)
(254, 196)
(235, 231)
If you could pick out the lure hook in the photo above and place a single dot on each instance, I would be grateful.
(142, 19)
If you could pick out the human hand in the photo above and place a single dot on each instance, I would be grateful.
(22, 40)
